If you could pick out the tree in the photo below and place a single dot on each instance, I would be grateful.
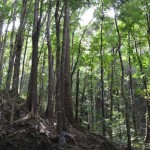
(122, 86)
(66, 85)
(94, 75)
(1, 28)
(11, 57)
(58, 69)
(18, 47)
(50, 105)
(32, 88)
(102, 72)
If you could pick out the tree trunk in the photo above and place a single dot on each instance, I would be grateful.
(82, 101)
(148, 23)
(11, 57)
(50, 105)
(131, 87)
(67, 76)
(77, 97)
(127, 116)
(79, 53)
(112, 94)
(2, 16)
(58, 75)
(23, 63)
(32, 88)
(144, 78)
(102, 77)
(2, 56)
(18, 48)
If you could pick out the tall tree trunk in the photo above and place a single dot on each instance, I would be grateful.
(147, 137)
(82, 100)
(41, 87)
(148, 22)
(2, 16)
(11, 56)
(131, 87)
(78, 54)
(50, 105)
(102, 76)
(144, 78)
(112, 94)
(58, 75)
(77, 97)
(67, 76)
(32, 88)
(18, 48)
(91, 94)
(2, 56)
(127, 115)
(23, 63)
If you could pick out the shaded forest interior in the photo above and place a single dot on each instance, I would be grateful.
(74, 74)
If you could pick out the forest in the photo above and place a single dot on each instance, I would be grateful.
(74, 74)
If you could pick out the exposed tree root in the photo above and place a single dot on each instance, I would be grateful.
(26, 118)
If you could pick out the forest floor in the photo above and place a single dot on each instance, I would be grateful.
(30, 133)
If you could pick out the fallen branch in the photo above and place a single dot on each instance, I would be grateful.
(17, 132)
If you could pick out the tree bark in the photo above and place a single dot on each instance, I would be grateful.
(2, 16)
(102, 76)
(131, 87)
(112, 94)
(23, 63)
(127, 116)
(50, 105)
(11, 56)
(144, 78)
(79, 52)
(2, 55)
(18, 48)
(66, 69)
(77, 97)
(32, 88)
(41, 87)
(58, 70)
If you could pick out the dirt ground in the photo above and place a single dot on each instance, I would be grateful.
(30, 133)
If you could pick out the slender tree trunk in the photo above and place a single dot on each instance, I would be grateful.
(32, 88)
(127, 115)
(41, 95)
(77, 97)
(102, 77)
(11, 57)
(2, 56)
(119, 112)
(41, 87)
(131, 88)
(79, 53)
(18, 48)
(2, 17)
(112, 94)
(50, 105)
(148, 23)
(82, 101)
(23, 63)
(72, 56)
(91, 95)
(147, 136)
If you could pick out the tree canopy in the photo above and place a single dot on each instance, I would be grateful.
(94, 75)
